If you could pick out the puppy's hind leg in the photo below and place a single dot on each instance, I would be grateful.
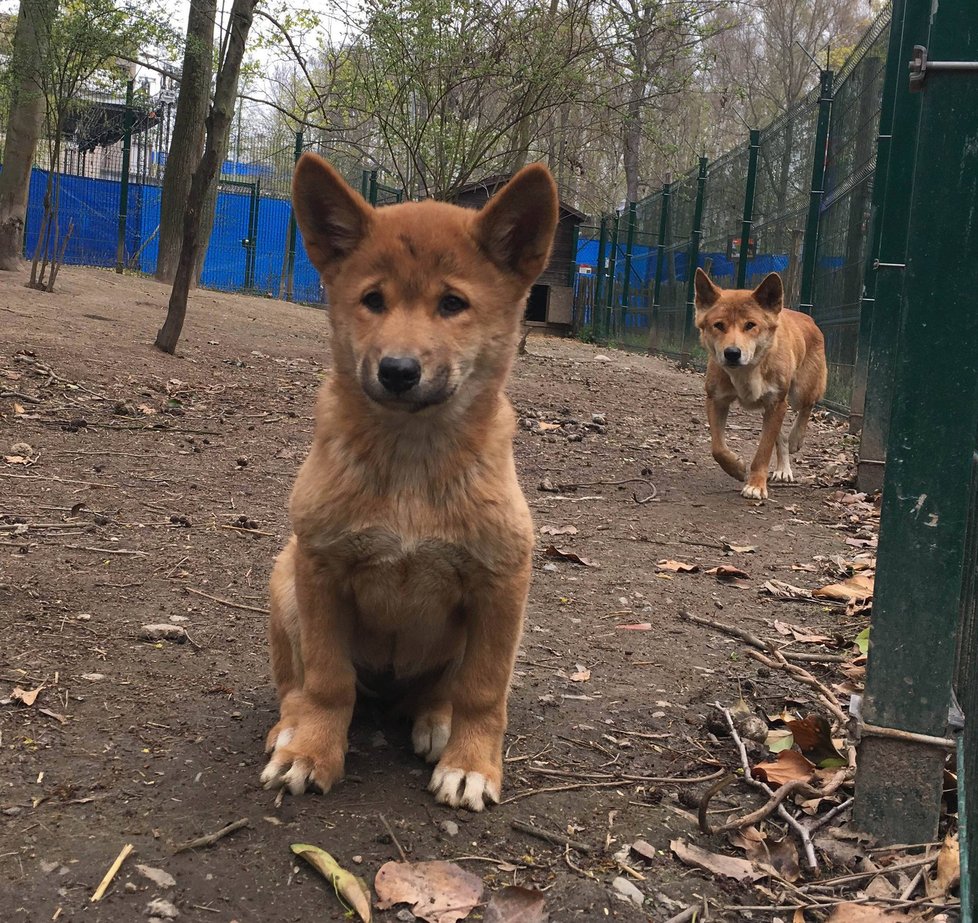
(432, 728)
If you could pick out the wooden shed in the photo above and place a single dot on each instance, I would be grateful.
(551, 300)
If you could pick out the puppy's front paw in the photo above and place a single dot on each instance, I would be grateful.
(458, 788)
(430, 734)
(299, 764)
(755, 490)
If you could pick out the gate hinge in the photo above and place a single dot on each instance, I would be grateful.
(920, 67)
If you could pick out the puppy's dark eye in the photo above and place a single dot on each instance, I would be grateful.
(452, 304)
(750, 325)
(373, 301)
(719, 325)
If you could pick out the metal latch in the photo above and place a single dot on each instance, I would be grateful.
(920, 66)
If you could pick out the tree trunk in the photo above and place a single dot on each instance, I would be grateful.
(188, 133)
(206, 174)
(27, 108)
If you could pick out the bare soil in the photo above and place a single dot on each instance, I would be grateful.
(155, 482)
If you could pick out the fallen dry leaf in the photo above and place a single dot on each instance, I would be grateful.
(855, 588)
(581, 676)
(740, 549)
(641, 626)
(516, 905)
(146, 410)
(19, 409)
(565, 554)
(677, 567)
(558, 530)
(643, 849)
(16, 460)
(726, 570)
(865, 913)
(813, 734)
(27, 697)
(789, 765)
(799, 634)
(352, 891)
(948, 869)
(441, 892)
(728, 866)
(780, 856)
(782, 590)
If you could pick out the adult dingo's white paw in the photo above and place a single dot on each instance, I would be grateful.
(458, 788)
(783, 475)
(754, 491)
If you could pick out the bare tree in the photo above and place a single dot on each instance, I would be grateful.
(208, 170)
(188, 133)
(26, 117)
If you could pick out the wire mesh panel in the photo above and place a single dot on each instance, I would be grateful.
(845, 216)
(723, 212)
(669, 315)
(784, 172)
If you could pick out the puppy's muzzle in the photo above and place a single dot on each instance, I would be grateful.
(398, 374)
(731, 355)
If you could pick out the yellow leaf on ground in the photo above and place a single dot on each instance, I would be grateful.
(352, 891)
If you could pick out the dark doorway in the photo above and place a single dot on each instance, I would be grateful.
(536, 304)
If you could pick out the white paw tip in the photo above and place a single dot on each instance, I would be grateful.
(430, 741)
(754, 493)
(457, 788)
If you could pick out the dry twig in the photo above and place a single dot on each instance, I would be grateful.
(211, 838)
(555, 838)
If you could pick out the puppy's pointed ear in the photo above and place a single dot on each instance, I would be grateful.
(516, 228)
(332, 217)
(770, 293)
(707, 292)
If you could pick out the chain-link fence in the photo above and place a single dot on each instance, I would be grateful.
(793, 199)
(103, 180)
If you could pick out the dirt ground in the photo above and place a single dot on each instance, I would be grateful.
(154, 491)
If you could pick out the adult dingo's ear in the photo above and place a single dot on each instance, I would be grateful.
(770, 293)
(332, 217)
(707, 292)
(516, 227)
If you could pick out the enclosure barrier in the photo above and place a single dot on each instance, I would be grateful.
(110, 171)
(793, 198)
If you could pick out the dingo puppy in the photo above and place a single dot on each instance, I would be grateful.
(767, 357)
(410, 562)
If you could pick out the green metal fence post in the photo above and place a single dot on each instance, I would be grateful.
(575, 243)
(627, 275)
(810, 252)
(748, 221)
(373, 188)
(127, 120)
(365, 184)
(609, 292)
(252, 242)
(660, 253)
(930, 449)
(597, 308)
(291, 234)
(887, 255)
(695, 236)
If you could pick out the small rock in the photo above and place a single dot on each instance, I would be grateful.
(449, 827)
(83, 617)
(602, 358)
(625, 890)
(242, 461)
(159, 877)
(357, 859)
(599, 418)
(93, 677)
(130, 887)
(378, 741)
(21, 448)
(48, 867)
(547, 485)
(575, 437)
(550, 567)
(165, 910)
(406, 916)
(163, 632)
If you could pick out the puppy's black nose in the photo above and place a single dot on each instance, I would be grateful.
(732, 355)
(399, 373)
